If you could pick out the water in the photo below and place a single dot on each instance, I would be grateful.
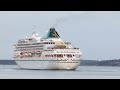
(82, 72)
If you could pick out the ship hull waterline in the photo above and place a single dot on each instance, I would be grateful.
(48, 64)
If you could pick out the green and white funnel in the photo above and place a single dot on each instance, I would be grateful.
(52, 33)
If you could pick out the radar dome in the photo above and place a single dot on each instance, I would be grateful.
(37, 34)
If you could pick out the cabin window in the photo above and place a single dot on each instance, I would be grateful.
(59, 55)
(30, 39)
(69, 55)
(55, 55)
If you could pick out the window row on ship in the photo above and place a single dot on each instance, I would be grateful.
(50, 56)
(28, 47)
(63, 55)
(20, 44)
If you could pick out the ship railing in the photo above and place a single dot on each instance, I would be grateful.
(65, 49)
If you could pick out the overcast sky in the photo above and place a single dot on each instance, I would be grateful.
(97, 34)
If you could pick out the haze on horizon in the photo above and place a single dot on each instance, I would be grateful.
(96, 33)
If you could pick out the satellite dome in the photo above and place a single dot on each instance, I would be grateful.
(37, 34)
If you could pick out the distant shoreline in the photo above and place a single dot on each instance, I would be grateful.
(115, 62)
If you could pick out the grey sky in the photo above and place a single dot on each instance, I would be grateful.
(97, 34)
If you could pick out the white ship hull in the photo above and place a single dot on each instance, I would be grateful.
(48, 64)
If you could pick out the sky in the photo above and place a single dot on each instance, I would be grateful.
(96, 33)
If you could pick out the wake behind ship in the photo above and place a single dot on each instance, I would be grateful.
(48, 52)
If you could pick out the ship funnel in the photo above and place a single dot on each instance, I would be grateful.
(52, 33)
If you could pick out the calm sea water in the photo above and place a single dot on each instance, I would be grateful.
(82, 72)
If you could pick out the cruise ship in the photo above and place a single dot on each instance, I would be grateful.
(48, 52)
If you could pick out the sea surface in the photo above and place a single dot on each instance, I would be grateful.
(82, 72)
